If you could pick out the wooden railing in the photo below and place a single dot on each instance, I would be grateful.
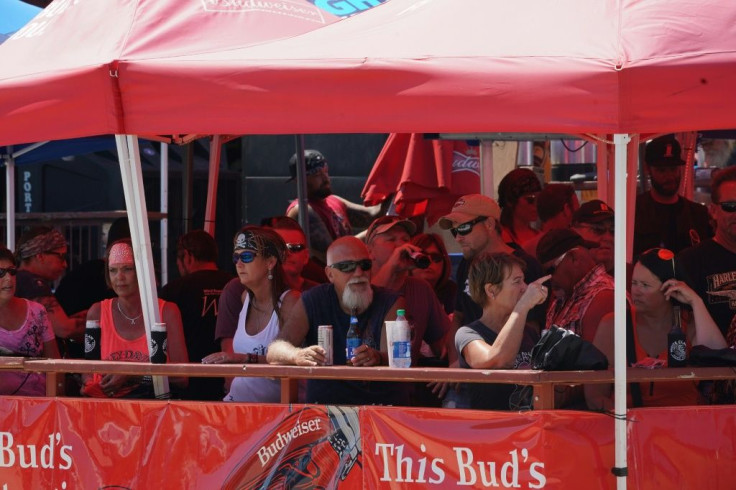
(543, 382)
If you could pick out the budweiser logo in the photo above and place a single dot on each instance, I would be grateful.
(462, 162)
(302, 10)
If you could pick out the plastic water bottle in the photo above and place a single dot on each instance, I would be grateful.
(352, 339)
(402, 348)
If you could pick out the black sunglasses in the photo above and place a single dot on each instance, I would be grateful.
(295, 247)
(436, 257)
(244, 257)
(728, 206)
(349, 266)
(8, 270)
(467, 227)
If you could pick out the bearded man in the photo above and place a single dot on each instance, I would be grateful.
(349, 293)
(664, 218)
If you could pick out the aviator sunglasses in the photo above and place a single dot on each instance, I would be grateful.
(728, 206)
(244, 257)
(349, 266)
(466, 227)
(8, 270)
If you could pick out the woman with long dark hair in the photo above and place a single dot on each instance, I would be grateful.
(438, 272)
(258, 254)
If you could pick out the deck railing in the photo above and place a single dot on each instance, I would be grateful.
(543, 382)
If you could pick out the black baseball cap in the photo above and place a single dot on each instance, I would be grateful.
(664, 151)
(314, 161)
(593, 211)
(556, 242)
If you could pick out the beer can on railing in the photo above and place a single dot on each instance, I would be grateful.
(324, 340)
(159, 345)
(92, 340)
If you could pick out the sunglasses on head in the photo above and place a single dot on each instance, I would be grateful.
(8, 270)
(599, 230)
(728, 206)
(466, 227)
(349, 266)
(295, 247)
(245, 257)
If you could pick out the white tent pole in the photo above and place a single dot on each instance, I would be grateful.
(10, 200)
(214, 175)
(164, 210)
(620, 141)
(135, 202)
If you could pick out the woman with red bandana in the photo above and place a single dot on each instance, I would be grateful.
(123, 333)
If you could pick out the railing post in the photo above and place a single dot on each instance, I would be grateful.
(544, 396)
(289, 390)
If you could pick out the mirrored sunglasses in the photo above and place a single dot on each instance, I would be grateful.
(349, 266)
(8, 270)
(295, 247)
(467, 227)
(728, 206)
(244, 257)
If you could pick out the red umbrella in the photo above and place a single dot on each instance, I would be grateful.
(426, 175)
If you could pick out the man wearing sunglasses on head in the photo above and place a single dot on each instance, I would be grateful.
(42, 254)
(664, 218)
(349, 293)
(394, 256)
(711, 265)
(475, 224)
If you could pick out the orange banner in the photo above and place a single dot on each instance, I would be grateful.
(68, 443)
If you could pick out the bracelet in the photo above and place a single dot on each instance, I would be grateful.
(252, 359)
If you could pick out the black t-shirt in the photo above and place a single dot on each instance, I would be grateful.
(711, 272)
(489, 395)
(197, 296)
(673, 226)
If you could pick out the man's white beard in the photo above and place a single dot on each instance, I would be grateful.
(357, 301)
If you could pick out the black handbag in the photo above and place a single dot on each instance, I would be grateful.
(701, 355)
(562, 350)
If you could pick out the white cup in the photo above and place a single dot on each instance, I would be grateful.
(396, 332)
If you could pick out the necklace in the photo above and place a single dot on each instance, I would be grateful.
(131, 320)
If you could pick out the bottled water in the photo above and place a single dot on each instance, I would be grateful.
(402, 345)
(352, 339)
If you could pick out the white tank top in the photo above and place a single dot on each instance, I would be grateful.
(252, 389)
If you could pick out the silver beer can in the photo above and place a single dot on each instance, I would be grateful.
(324, 340)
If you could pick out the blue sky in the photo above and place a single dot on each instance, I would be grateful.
(14, 14)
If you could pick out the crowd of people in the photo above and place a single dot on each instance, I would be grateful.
(535, 258)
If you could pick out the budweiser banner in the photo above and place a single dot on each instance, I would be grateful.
(68, 443)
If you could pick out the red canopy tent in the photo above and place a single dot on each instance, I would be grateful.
(60, 76)
(533, 66)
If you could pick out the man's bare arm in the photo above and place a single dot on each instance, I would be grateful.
(64, 326)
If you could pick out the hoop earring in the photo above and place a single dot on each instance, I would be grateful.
(270, 275)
